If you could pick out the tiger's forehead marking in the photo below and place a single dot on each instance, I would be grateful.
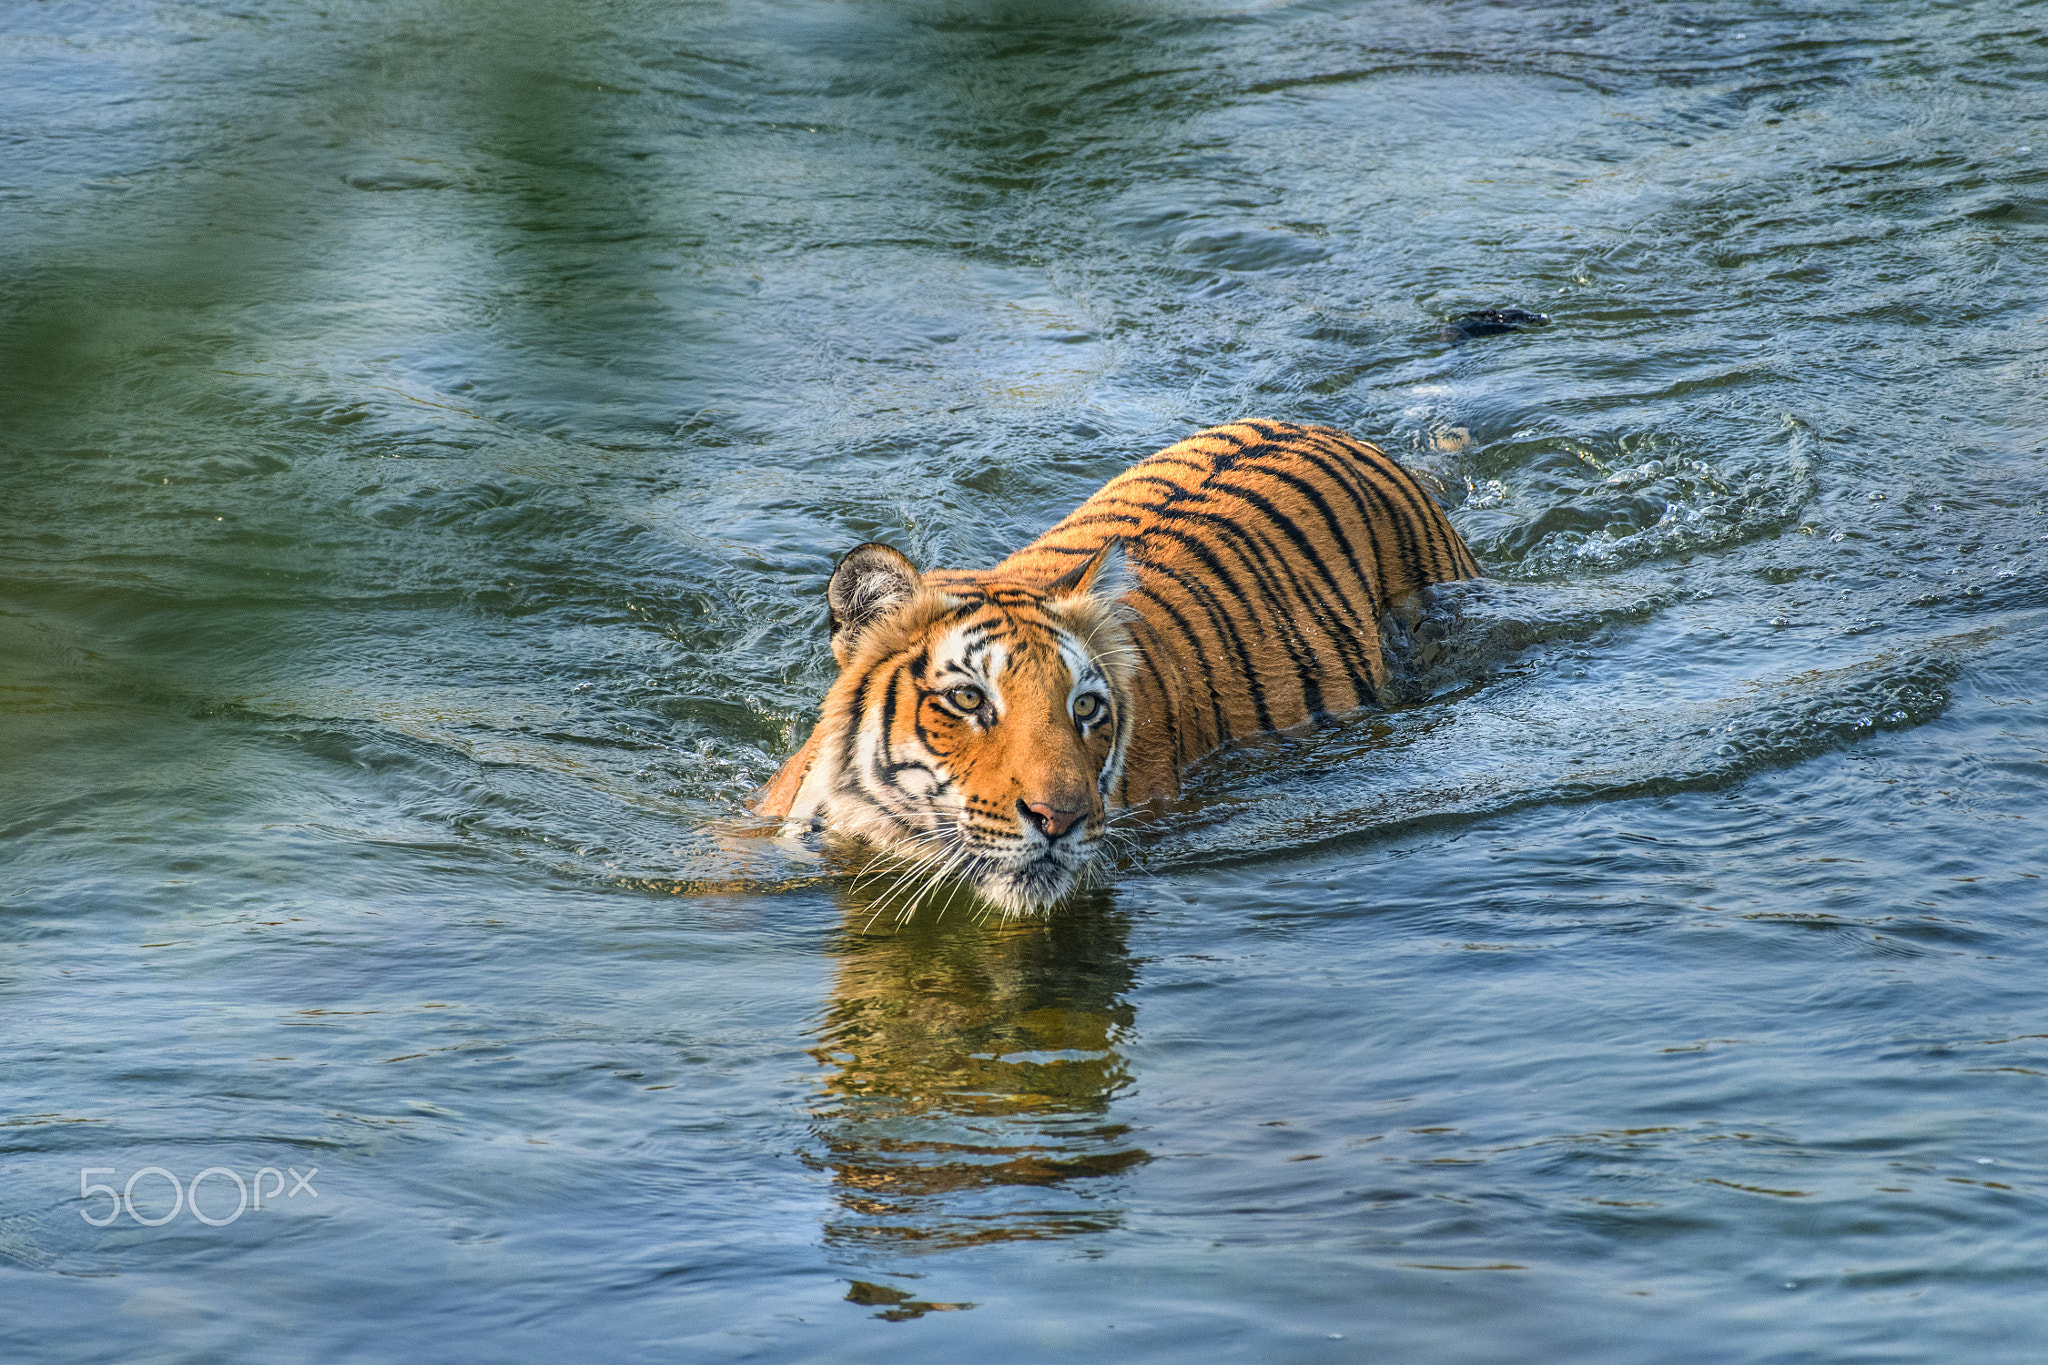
(992, 642)
(1083, 670)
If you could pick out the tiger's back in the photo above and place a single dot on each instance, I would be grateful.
(1265, 554)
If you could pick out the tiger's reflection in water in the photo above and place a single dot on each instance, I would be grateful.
(970, 1063)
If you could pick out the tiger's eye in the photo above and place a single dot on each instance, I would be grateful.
(1086, 706)
(966, 698)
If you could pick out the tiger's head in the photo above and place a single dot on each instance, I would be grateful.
(978, 724)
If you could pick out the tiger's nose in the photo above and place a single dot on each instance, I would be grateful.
(1051, 819)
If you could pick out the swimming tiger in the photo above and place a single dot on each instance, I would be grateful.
(985, 722)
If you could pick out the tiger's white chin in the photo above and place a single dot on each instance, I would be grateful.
(1033, 888)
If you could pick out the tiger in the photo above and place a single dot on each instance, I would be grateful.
(986, 723)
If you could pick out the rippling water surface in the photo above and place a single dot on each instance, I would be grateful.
(425, 429)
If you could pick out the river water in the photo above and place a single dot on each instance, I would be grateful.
(425, 429)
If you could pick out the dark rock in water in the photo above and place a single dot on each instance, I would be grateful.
(1490, 322)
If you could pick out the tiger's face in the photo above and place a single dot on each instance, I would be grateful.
(977, 728)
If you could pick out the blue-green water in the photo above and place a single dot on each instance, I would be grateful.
(425, 429)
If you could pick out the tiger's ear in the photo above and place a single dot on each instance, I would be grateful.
(869, 583)
(1105, 573)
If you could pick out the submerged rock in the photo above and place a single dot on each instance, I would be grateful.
(1489, 322)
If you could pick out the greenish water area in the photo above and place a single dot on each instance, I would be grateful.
(425, 431)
